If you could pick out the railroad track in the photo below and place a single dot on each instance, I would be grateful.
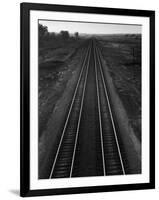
(72, 155)
(64, 158)
(113, 163)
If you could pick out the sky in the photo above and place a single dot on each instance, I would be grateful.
(90, 28)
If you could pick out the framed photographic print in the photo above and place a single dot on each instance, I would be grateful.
(87, 99)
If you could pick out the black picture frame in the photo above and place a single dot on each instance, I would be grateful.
(25, 9)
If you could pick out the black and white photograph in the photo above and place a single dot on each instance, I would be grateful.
(89, 93)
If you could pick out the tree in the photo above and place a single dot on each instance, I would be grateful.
(43, 30)
(76, 35)
(65, 35)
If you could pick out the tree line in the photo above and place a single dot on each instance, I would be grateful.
(47, 38)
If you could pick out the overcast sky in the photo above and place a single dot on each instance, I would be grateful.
(90, 28)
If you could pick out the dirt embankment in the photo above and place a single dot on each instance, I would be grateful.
(54, 72)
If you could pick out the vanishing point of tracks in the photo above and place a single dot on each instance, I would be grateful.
(89, 144)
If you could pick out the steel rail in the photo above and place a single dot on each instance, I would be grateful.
(70, 109)
(99, 113)
(79, 119)
(110, 110)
